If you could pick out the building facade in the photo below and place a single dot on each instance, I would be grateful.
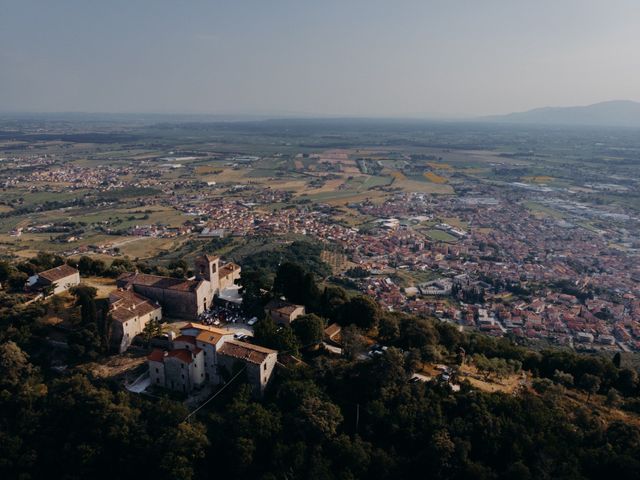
(181, 370)
(183, 298)
(62, 278)
(129, 314)
(203, 354)
(282, 312)
(258, 363)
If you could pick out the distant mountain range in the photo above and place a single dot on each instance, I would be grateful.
(615, 113)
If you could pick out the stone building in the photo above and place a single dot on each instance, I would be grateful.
(203, 354)
(282, 312)
(181, 297)
(62, 278)
(229, 275)
(181, 370)
(209, 339)
(257, 361)
(129, 314)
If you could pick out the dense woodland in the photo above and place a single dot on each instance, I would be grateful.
(325, 417)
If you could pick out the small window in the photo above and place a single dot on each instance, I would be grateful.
(265, 366)
(157, 370)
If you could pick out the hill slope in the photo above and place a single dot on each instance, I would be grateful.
(622, 113)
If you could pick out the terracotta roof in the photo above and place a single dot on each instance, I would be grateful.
(126, 305)
(186, 339)
(124, 275)
(332, 330)
(283, 307)
(228, 269)
(184, 355)
(156, 281)
(201, 327)
(210, 337)
(156, 355)
(58, 273)
(209, 258)
(245, 351)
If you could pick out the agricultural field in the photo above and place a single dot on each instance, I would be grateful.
(435, 178)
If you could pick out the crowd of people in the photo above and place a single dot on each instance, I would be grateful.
(221, 314)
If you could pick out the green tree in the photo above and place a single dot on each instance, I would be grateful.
(590, 384)
(89, 266)
(417, 333)
(388, 328)
(120, 265)
(413, 362)
(318, 418)
(617, 359)
(309, 329)
(297, 285)
(360, 311)
(21, 394)
(542, 385)
(56, 303)
(15, 370)
(151, 329)
(613, 398)
(253, 283)
(627, 381)
(353, 342)
(563, 378)
(90, 337)
(5, 271)
(48, 290)
(331, 301)
(17, 280)
(268, 334)
(85, 299)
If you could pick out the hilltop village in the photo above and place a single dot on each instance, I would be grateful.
(200, 353)
(278, 291)
(297, 240)
(520, 259)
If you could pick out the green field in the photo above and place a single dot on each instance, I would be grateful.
(543, 209)
(441, 236)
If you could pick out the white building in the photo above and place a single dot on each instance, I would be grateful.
(62, 278)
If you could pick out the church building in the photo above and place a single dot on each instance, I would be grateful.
(183, 298)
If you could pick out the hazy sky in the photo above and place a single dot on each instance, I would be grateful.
(346, 57)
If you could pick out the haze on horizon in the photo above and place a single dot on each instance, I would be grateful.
(419, 58)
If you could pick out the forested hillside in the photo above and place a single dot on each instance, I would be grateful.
(323, 416)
